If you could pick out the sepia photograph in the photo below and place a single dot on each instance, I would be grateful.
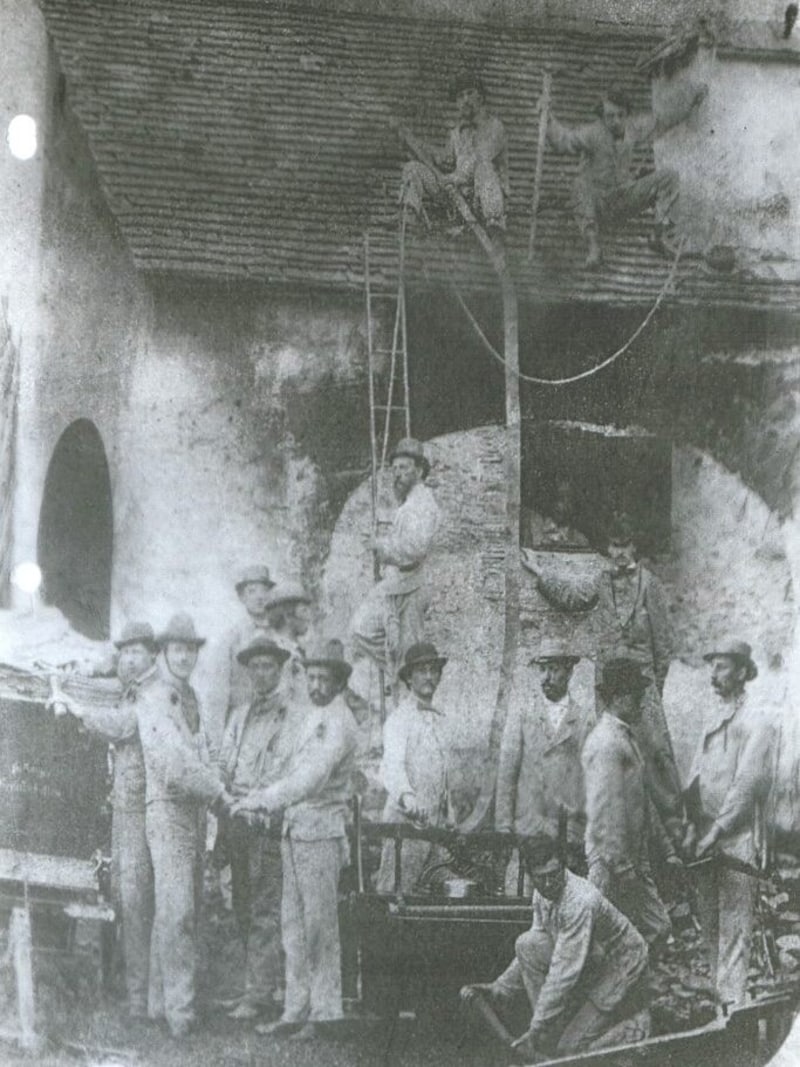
(399, 533)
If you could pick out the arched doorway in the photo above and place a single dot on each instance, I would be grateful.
(75, 541)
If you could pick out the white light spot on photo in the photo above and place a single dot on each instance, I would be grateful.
(21, 137)
(27, 577)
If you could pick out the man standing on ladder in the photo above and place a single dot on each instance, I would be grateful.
(392, 617)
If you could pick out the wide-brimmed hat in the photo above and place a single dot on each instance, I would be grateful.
(329, 653)
(421, 652)
(258, 574)
(262, 646)
(552, 648)
(180, 628)
(622, 675)
(136, 633)
(738, 650)
(287, 593)
(412, 448)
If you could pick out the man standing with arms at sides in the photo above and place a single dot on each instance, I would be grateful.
(131, 868)
(729, 782)
(180, 786)
(249, 759)
(392, 617)
(582, 965)
(414, 767)
(231, 685)
(539, 776)
(606, 189)
(313, 793)
(619, 812)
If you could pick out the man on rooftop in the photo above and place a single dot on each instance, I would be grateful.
(606, 189)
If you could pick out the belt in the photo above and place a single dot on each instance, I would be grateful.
(410, 568)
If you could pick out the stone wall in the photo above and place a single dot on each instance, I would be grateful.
(727, 571)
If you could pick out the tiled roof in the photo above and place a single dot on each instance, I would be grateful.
(250, 139)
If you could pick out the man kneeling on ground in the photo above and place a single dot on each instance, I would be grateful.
(582, 964)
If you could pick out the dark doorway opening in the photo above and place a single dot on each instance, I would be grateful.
(76, 531)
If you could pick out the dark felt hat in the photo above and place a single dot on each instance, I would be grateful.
(623, 675)
(136, 633)
(737, 650)
(180, 628)
(329, 653)
(262, 646)
(422, 652)
(412, 448)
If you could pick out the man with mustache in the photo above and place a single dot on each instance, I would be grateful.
(728, 785)
(131, 868)
(539, 776)
(631, 609)
(392, 617)
(312, 792)
(582, 965)
(414, 766)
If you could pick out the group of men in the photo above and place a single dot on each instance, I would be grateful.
(586, 782)
(607, 189)
(279, 786)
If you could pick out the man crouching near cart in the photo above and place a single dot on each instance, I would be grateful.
(582, 964)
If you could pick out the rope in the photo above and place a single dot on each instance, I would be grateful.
(598, 367)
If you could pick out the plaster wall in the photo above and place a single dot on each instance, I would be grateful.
(738, 161)
(727, 572)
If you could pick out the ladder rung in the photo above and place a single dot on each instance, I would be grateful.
(394, 407)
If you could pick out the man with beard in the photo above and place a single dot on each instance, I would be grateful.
(475, 160)
(631, 611)
(582, 965)
(313, 793)
(539, 776)
(729, 782)
(249, 759)
(414, 767)
(180, 786)
(392, 616)
(131, 868)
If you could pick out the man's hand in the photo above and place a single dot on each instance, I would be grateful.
(223, 804)
(470, 992)
(709, 841)
(60, 704)
(248, 804)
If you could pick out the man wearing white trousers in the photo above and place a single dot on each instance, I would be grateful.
(179, 788)
(313, 792)
(728, 785)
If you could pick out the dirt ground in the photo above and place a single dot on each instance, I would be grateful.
(84, 1024)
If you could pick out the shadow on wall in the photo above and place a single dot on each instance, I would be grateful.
(76, 531)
